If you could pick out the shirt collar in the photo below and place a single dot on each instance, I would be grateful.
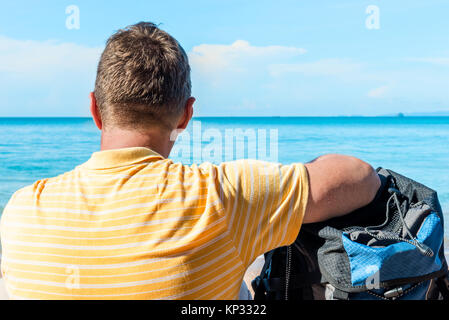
(120, 157)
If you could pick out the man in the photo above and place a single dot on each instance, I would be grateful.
(131, 224)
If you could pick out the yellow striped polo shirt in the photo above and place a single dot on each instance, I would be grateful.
(130, 224)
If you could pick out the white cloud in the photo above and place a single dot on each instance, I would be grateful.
(378, 92)
(275, 78)
(45, 78)
(45, 57)
(441, 61)
(234, 78)
(239, 56)
(323, 67)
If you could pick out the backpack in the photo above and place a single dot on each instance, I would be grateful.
(391, 249)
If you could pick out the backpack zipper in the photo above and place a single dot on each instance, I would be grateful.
(288, 270)
(422, 248)
(395, 293)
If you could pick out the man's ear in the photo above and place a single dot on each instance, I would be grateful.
(94, 111)
(188, 113)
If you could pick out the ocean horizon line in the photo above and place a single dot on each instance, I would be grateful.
(209, 117)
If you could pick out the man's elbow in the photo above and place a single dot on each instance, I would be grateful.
(354, 171)
(363, 178)
(338, 185)
(369, 181)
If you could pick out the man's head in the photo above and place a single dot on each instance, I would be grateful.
(143, 81)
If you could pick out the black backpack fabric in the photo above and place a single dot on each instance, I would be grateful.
(391, 249)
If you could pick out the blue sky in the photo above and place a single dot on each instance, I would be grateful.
(268, 58)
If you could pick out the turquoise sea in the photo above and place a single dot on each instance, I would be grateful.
(418, 147)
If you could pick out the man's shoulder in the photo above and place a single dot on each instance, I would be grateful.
(21, 197)
(33, 190)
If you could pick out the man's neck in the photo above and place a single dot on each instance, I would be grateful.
(156, 140)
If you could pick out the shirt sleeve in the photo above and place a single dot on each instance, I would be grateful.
(264, 204)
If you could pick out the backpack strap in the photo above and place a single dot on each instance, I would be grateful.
(443, 286)
(296, 281)
(258, 284)
(263, 284)
(340, 294)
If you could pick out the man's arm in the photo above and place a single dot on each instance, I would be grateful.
(338, 185)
